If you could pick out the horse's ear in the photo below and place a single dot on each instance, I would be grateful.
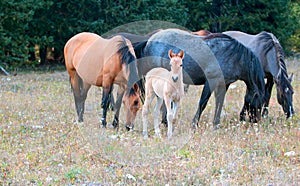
(291, 77)
(170, 53)
(181, 54)
(136, 87)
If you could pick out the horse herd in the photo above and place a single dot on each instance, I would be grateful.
(168, 59)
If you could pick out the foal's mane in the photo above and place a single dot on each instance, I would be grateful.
(242, 53)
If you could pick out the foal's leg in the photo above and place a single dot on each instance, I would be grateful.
(206, 93)
(175, 111)
(169, 115)
(268, 91)
(80, 90)
(148, 99)
(156, 114)
(105, 102)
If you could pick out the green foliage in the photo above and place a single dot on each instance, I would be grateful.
(14, 20)
(29, 26)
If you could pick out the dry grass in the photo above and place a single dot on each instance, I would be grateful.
(41, 145)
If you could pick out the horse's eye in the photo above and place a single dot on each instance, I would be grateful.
(135, 103)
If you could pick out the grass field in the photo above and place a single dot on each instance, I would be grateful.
(42, 145)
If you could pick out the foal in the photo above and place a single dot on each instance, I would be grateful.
(165, 85)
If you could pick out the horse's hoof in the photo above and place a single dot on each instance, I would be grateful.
(242, 118)
(265, 113)
(165, 122)
(115, 124)
(217, 126)
(129, 128)
(103, 122)
(194, 126)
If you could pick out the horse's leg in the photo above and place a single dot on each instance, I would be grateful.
(245, 108)
(220, 92)
(80, 90)
(169, 115)
(111, 103)
(206, 93)
(156, 114)
(164, 115)
(117, 106)
(148, 99)
(243, 113)
(141, 84)
(268, 91)
(105, 100)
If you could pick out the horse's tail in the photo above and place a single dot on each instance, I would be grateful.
(139, 49)
(258, 74)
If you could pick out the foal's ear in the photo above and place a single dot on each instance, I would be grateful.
(291, 77)
(170, 53)
(181, 54)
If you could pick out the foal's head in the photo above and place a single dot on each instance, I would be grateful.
(176, 64)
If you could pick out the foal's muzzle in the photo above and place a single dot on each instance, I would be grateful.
(175, 78)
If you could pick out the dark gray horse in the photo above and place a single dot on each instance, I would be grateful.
(268, 49)
(215, 61)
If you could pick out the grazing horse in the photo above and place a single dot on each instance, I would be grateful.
(215, 61)
(268, 49)
(93, 60)
(166, 86)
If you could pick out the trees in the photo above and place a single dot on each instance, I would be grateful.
(14, 21)
(30, 27)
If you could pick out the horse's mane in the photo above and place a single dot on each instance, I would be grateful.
(237, 49)
(271, 41)
(126, 56)
(139, 49)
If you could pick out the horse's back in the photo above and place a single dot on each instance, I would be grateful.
(87, 53)
(199, 61)
(244, 38)
(158, 73)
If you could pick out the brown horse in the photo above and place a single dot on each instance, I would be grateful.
(201, 33)
(93, 60)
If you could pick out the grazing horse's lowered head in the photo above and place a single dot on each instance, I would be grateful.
(131, 98)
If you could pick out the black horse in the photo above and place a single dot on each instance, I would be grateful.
(215, 61)
(268, 49)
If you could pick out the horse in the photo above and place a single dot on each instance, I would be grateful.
(215, 61)
(201, 33)
(165, 86)
(93, 60)
(268, 49)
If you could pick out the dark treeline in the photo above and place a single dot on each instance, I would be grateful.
(33, 32)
